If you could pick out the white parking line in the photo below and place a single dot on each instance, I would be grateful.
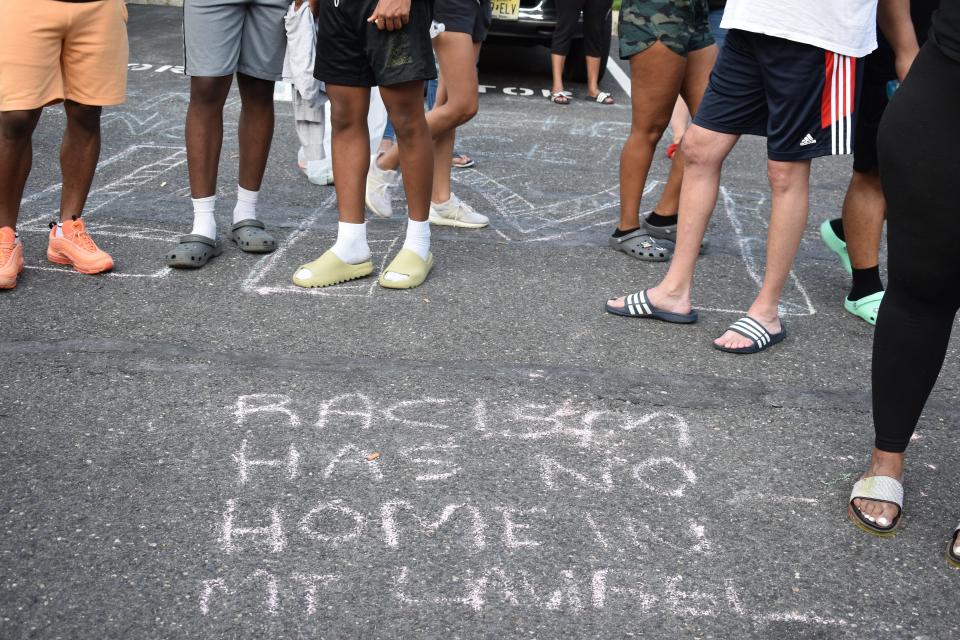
(618, 74)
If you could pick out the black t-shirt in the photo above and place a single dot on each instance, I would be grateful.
(946, 28)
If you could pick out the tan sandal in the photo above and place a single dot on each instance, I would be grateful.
(328, 270)
(407, 263)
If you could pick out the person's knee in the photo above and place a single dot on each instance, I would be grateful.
(209, 92)
(869, 179)
(784, 176)
(255, 92)
(344, 117)
(17, 125)
(650, 130)
(409, 123)
(464, 108)
(84, 117)
(698, 150)
(912, 295)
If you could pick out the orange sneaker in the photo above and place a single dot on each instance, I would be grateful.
(11, 258)
(78, 249)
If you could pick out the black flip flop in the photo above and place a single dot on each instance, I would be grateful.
(638, 305)
(753, 330)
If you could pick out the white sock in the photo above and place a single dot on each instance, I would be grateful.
(418, 238)
(351, 245)
(204, 224)
(246, 208)
(59, 232)
(418, 241)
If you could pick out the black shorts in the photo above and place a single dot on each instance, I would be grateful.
(878, 70)
(354, 53)
(464, 16)
(803, 99)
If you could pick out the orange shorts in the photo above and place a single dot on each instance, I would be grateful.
(53, 51)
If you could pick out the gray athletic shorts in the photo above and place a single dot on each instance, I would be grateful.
(222, 37)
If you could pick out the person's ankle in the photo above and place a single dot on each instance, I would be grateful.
(887, 463)
(672, 291)
(764, 315)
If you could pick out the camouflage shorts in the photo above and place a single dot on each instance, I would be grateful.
(682, 25)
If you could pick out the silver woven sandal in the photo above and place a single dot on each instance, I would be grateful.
(879, 489)
(952, 556)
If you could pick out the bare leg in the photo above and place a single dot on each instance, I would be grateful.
(556, 64)
(699, 65)
(680, 120)
(204, 132)
(864, 210)
(790, 204)
(669, 202)
(79, 154)
(350, 148)
(457, 55)
(593, 76)
(256, 129)
(458, 68)
(16, 158)
(404, 104)
(705, 152)
(656, 76)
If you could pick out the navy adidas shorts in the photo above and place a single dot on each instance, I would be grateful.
(802, 98)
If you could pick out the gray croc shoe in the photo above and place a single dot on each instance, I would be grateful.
(643, 246)
(668, 232)
(194, 251)
(250, 236)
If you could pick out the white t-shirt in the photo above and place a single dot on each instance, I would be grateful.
(847, 27)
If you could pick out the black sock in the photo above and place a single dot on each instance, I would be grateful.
(658, 220)
(865, 283)
(617, 233)
(837, 225)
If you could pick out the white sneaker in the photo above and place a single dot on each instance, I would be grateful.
(379, 182)
(456, 213)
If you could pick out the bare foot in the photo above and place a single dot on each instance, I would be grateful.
(882, 463)
(733, 340)
(674, 303)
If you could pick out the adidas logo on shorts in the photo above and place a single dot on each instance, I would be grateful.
(807, 140)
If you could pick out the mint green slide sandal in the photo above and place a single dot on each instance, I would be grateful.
(835, 244)
(866, 307)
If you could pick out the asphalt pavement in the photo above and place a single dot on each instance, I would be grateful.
(218, 453)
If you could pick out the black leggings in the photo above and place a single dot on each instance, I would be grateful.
(594, 22)
(919, 146)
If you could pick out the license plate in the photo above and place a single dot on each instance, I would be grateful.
(506, 9)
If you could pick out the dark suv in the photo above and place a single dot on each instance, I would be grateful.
(531, 22)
